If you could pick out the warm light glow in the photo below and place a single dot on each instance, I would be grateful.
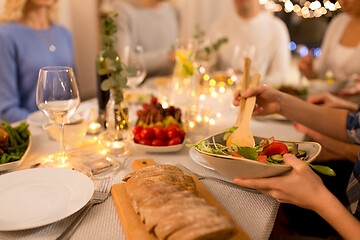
(117, 144)
(222, 84)
(289, 6)
(230, 81)
(103, 152)
(202, 97)
(191, 124)
(212, 82)
(206, 119)
(206, 77)
(165, 104)
(212, 121)
(94, 127)
(218, 115)
(211, 89)
(214, 95)
(221, 89)
(315, 5)
(198, 118)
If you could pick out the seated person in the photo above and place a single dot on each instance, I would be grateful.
(301, 186)
(151, 24)
(340, 47)
(249, 26)
(29, 40)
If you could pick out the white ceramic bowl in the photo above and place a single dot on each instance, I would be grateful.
(319, 86)
(8, 167)
(161, 149)
(232, 167)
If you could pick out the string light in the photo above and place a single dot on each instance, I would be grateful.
(303, 8)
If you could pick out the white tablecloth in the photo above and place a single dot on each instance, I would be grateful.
(255, 213)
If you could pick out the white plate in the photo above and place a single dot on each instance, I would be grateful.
(37, 197)
(199, 159)
(164, 149)
(12, 165)
(36, 119)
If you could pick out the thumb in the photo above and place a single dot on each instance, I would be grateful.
(293, 161)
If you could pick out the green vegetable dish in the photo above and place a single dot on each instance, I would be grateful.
(267, 151)
(13, 141)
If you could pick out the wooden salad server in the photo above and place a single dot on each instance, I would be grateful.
(242, 136)
(244, 87)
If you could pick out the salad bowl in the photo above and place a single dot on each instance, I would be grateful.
(240, 167)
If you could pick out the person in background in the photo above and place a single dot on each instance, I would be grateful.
(153, 24)
(29, 40)
(340, 48)
(249, 26)
(301, 186)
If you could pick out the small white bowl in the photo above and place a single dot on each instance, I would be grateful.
(8, 167)
(232, 167)
(160, 149)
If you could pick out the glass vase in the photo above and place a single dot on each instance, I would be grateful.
(116, 137)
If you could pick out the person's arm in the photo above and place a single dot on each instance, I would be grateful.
(280, 63)
(302, 187)
(329, 100)
(10, 109)
(342, 150)
(328, 121)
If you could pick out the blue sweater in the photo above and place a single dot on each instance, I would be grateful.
(23, 51)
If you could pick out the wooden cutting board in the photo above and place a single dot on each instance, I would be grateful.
(132, 226)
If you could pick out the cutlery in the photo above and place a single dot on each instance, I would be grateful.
(242, 136)
(244, 87)
(200, 177)
(100, 195)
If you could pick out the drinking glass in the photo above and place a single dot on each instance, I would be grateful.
(134, 59)
(57, 96)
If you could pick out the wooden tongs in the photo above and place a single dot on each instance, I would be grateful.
(242, 136)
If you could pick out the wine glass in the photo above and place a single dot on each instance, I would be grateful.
(57, 96)
(134, 59)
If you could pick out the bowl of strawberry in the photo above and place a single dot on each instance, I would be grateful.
(158, 129)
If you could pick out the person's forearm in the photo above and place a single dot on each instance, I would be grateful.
(338, 217)
(328, 121)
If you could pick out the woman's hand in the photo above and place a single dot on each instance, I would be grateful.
(329, 100)
(267, 99)
(305, 66)
(354, 90)
(301, 186)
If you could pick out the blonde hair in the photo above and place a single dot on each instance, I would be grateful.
(14, 10)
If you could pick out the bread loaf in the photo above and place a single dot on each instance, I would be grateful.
(166, 200)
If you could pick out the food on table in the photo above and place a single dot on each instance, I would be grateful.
(13, 141)
(158, 126)
(166, 200)
(298, 92)
(268, 151)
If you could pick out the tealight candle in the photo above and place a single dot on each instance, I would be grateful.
(94, 128)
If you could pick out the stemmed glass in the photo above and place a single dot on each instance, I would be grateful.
(57, 96)
(134, 59)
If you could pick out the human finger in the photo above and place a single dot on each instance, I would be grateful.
(317, 99)
(259, 183)
(293, 161)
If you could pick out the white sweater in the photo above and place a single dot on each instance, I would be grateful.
(266, 32)
(341, 60)
(155, 29)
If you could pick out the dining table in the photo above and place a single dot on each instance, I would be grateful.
(254, 213)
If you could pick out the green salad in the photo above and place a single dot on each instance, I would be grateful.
(267, 151)
(13, 141)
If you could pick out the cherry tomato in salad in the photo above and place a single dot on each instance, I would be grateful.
(235, 154)
(262, 158)
(268, 141)
(274, 148)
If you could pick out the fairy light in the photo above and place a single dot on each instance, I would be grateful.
(303, 8)
(212, 121)
(218, 115)
(202, 97)
(206, 77)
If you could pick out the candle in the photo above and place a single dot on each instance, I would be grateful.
(94, 128)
